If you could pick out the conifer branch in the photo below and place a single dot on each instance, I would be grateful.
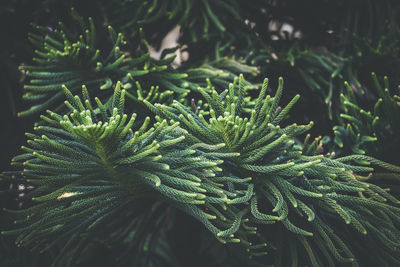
(301, 190)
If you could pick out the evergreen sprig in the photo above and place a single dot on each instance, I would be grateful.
(67, 59)
(364, 124)
(304, 192)
(87, 166)
(100, 183)
(73, 58)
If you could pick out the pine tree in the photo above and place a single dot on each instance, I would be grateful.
(270, 145)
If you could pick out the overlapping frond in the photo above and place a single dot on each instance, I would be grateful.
(98, 175)
(304, 192)
(75, 58)
(88, 166)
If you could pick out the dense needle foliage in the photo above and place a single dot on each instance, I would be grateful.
(266, 135)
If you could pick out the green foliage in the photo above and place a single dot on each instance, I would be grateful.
(318, 69)
(87, 166)
(303, 191)
(78, 57)
(369, 126)
(157, 160)
(66, 59)
(198, 20)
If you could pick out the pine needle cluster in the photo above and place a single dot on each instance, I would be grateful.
(129, 153)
